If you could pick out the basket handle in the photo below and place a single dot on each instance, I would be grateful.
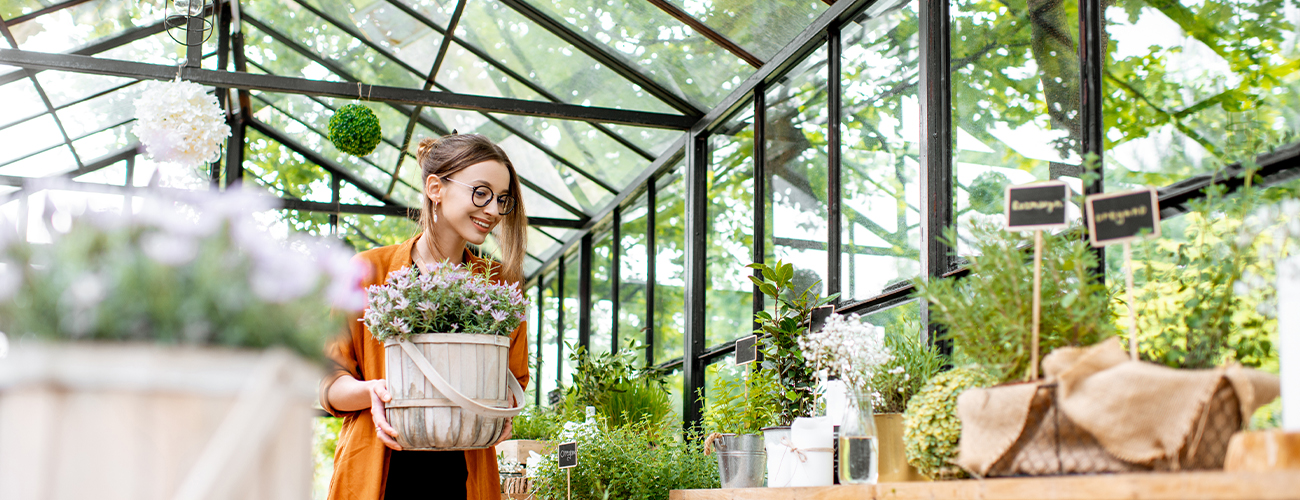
(455, 396)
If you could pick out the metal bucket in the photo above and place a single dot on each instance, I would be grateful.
(741, 460)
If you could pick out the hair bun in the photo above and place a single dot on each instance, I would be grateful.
(426, 145)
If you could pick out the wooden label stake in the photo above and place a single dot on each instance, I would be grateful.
(1038, 303)
(1122, 218)
(1036, 206)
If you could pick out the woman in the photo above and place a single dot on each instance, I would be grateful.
(470, 187)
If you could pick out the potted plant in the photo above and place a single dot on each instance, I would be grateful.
(639, 461)
(739, 408)
(429, 322)
(893, 386)
(170, 352)
(779, 332)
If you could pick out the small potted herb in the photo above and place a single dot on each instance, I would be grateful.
(739, 408)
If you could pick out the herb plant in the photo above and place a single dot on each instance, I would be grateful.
(780, 331)
(914, 362)
(450, 298)
(742, 404)
(931, 429)
(621, 392)
(641, 461)
(195, 270)
(988, 313)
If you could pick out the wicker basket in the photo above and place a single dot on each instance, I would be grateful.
(450, 390)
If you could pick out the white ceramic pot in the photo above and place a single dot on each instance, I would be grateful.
(800, 455)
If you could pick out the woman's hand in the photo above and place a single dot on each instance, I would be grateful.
(509, 427)
(350, 394)
(378, 396)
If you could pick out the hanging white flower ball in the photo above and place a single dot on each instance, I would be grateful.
(179, 122)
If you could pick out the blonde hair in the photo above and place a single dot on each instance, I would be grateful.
(456, 152)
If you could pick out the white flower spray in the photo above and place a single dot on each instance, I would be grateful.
(849, 348)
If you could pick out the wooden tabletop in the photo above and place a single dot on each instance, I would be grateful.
(1170, 486)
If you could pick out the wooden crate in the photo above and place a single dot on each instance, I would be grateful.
(142, 422)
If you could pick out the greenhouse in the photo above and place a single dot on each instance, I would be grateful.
(691, 169)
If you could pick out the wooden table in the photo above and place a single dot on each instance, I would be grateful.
(1171, 486)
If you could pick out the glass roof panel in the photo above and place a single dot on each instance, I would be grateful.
(53, 162)
(331, 43)
(310, 138)
(653, 140)
(403, 35)
(284, 172)
(21, 102)
(580, 143)
(114, 175)
(266, 55)
(34, 135)
(536, 205)
(14, 8)
(105, 143)
(74, 27)
(157, 49)
(658, 45)
(761, 28)
(465, 73)
(94, 114)
(538, 244)
(64, 87)
(549, 61)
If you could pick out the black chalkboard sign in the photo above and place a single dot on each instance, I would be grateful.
(747, 350)
(554, 397)
(568, 455)
(1036, 206)
(1120, 217)
(819, 316)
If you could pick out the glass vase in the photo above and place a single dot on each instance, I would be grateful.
(859, 451)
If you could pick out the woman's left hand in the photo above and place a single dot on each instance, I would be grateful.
(509, 427)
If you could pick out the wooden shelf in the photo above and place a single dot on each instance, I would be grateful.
(1167, 486)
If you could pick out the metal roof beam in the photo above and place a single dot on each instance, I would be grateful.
(287, 85)
(606, 59)
(703, 29)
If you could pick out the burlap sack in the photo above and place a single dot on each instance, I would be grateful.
(1096, 412)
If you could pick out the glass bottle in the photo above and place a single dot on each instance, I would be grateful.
(859, 452)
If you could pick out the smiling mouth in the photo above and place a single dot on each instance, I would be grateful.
(481, 224)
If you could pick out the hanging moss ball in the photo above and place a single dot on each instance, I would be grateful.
(354, 129)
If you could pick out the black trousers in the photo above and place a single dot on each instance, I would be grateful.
(426, 475)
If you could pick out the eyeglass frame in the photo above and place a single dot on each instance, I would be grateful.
(493, 196)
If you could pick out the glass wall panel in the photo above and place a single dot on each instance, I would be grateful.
(602, 302)
(633, 274)
(728, 298)
(572, 306)
(795, 164)
(670, 266)
(1192, 85)
(1015, 97)
(548, 355)
(881, 236)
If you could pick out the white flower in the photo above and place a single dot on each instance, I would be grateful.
(849, 348)
(179, 122)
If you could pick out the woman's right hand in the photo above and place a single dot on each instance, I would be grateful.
(379, 395)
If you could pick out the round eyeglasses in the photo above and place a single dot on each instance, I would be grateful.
(484, 195)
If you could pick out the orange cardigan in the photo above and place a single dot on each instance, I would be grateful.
(361, 460)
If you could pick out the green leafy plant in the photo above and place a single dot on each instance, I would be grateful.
(194, 270)
(538, 423)
(780, 331)
(617, 388)
(931, 429)
(914, 362)
(988, 313)
(744, 404)
(639, 461)
(1203, 297)
(354, 129)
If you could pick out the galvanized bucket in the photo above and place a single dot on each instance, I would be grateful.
(742, 463)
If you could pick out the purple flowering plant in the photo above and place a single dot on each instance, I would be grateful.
(450, 298)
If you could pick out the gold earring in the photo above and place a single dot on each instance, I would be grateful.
(435, 212)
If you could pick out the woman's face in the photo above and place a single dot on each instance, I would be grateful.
(455, 194)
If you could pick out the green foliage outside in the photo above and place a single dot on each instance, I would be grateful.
(638, 461)
(931, 429)
(622, 393)
(538, 424)
(988, 314)
(779, 336)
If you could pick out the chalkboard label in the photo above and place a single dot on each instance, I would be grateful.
(568, 455)
(747, 350)
(554, 397)
(1120, 217)
(1037, 206)
(819, 316)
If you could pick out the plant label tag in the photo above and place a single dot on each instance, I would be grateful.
(1037, 206)
(1120, 217)
(819, 316)
(568, 455)
(746, 350)
(554, 397)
